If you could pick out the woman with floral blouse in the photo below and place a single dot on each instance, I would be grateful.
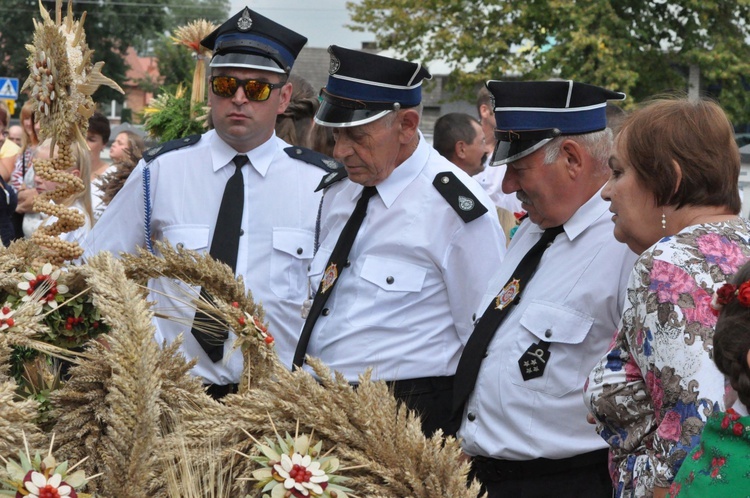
(718, 467)
(674, 194)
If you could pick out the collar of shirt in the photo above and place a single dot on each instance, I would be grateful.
(405, 173)
(260, 157)
(583, 218)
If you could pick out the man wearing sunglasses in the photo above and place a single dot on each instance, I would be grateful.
(407, 241)
(237, 192)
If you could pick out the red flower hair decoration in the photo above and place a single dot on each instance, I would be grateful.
(727, 292)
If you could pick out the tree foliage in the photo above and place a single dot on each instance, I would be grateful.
(175, 62)
(640, 47)
(111, 26)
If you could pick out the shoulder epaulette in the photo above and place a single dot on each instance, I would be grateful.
(332, 178)
(315, 158)
(160, 149)
(459, 196)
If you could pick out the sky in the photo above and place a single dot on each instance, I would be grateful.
(321, 21)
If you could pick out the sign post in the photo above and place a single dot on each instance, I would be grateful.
(9, 92)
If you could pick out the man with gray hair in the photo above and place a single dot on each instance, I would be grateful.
(550, 310)
(406, 241)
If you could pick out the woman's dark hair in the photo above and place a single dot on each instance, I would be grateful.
(732, 340)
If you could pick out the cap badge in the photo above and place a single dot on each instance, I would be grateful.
(508, 294)
(465, 203)
(329, 277)
(335, 65)
(244, 23)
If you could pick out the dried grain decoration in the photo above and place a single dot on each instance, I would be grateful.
(379, 442)
(17, 417)
(61, 81)
(231, 305)
(120, 398)
(190, 36)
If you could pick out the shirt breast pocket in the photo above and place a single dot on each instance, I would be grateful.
(385, 290)
(193, 237)
(292, 252)
(564, 328)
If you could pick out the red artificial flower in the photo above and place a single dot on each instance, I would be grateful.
(725, 294)
(743, 294)
(725, 422)
(738, 429)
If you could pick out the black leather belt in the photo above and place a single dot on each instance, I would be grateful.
(493, 470)
(217, 392)
(422, 385)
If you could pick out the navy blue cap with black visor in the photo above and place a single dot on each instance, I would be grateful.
(363, 87)
(529, 114)
(250, 40)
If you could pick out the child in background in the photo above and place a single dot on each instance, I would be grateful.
(720, 465)
(80, 201)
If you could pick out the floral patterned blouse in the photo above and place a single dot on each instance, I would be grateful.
(654, 390)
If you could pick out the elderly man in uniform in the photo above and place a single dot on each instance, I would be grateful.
(551, 309)
(237, 191)
(406, 241)
(459, 138)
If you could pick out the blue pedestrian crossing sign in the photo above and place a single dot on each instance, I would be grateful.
(9, 88)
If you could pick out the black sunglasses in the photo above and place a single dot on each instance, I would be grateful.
(226, 86)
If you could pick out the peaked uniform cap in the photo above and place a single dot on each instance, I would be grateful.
(531, 113)
(253, 41)
(363, 87)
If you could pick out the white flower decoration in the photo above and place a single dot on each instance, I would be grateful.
(301, 473)
(44, 284)
(40, 484)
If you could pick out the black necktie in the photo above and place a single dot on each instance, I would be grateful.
(484, 331)
(224, 247)
(334, 267)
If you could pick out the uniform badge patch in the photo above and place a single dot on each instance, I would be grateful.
(329, 277)
(244, 23)
(331, 164)
(534, 360)
(508, 294)
(465, 204)
(459, 196)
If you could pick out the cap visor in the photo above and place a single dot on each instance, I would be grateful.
(341, 117)
(507, 152)
(249, 61)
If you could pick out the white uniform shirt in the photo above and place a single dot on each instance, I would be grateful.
(574, 301)
(417, 272)
(274, 252)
